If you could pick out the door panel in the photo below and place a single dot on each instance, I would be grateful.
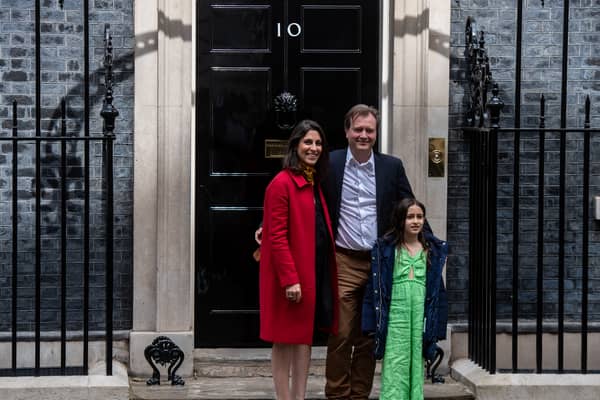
(241, 28)
(334, 63)
(327, 91)
(249, 52)
(331, 29)
(237, 106)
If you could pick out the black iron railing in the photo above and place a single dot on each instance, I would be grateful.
(64, 176)
(484, 132)
(482, 205)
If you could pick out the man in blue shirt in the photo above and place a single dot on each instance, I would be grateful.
(361, 188)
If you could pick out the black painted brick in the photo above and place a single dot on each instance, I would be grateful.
(541, 73)
(62, 76)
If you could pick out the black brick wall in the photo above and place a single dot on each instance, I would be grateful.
(62, 77)
(541, 74)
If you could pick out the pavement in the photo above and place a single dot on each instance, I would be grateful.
(95, 386)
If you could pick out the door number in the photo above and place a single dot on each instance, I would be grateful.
(294, 29)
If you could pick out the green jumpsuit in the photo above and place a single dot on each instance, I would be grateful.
(402, 374)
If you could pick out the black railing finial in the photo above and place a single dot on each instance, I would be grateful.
(587, 111)
(15, 121)
(481, 39)
(470, 32)
(495, 106)
(542, 112)
(480, 74)
(108, 112)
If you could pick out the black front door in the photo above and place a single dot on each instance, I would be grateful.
(324, 55)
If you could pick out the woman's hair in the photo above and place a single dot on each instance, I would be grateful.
(291, 160)
(396, 232)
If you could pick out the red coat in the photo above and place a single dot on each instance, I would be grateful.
(288, 257)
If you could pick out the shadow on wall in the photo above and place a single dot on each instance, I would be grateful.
(414, 26)
(123, 65)
(50, 159)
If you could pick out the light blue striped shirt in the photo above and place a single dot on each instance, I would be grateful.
(357, 228)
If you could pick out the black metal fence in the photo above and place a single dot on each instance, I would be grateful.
(54, 176)
(527, 173)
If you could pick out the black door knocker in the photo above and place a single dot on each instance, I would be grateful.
(285, 106)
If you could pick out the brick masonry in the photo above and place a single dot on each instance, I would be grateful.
(62, 77)
(541, 74)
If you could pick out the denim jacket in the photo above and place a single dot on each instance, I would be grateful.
(376, 304)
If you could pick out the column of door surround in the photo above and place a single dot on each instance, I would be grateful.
(420, 82)
(163, 291)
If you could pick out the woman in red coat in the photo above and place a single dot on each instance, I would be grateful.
(298, 275)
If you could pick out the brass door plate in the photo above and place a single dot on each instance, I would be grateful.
(437, 157)
(275, 148)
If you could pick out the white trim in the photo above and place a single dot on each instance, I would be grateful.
(193, 164)
(385, 88)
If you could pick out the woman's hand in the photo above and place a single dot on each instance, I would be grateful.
(293, 293)
(258, 235)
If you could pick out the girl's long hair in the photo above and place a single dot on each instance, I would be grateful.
(291, 160)
(396, 232)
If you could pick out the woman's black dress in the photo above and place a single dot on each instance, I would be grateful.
(324, 292)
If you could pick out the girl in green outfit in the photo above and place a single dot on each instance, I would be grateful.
(405, 286)
(402, 374)
(398, 287)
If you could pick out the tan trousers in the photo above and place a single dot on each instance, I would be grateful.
(350, 363)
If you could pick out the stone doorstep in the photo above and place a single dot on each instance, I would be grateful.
(525, 386)
(221, 374)
(228, 362)
(95, 386)
(261, 388)
(245, 363)
(247, 354)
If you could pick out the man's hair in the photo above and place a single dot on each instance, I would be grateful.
(291, 160)
(360, 110)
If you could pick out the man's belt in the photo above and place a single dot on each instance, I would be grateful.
(360, 254)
